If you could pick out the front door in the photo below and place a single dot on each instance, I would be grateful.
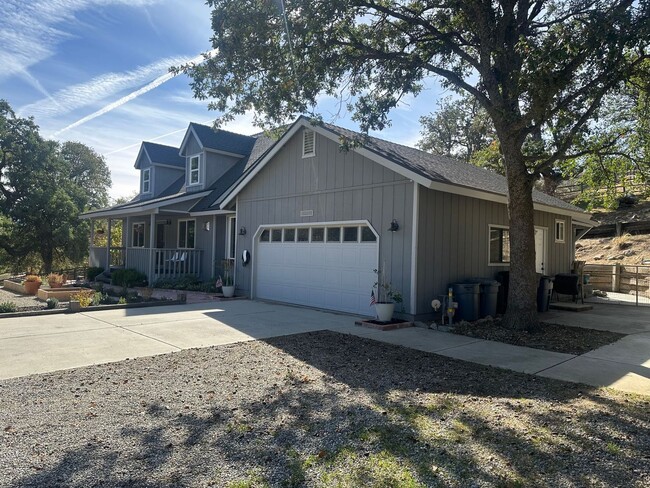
(540, 249)
(160, 235)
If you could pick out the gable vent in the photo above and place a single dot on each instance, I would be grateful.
(308, 144)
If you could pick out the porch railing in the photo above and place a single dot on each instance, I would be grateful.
(138, 258)
(97, 257)
(118, 259)
(175, 263)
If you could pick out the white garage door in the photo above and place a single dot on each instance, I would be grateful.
(328, 267)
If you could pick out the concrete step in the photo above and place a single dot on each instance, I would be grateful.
(571, 306)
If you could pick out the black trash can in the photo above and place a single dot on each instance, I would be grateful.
(467, 296)
(503, 277)
(489, 297)
(544, 291)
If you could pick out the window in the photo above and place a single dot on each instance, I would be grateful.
(308, 144)
(303, 235)
(232, 236)
(137, 236)
(289, 235)
(186, 234)
(265, 235)
(195, 170)
(317, 234)
(559, 231)
(350, 234)
(333, 234)
(499, 245)
(146, 180)
(367, 235)
(276, 235)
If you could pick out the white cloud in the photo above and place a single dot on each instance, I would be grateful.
(31, 30)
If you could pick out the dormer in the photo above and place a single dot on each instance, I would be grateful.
(210, 153)
(160, 166)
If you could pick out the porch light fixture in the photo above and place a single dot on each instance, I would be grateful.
(206, 225)
(242, 231)
(394, 226)
(168, 222)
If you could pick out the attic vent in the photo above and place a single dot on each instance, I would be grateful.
(308, 144)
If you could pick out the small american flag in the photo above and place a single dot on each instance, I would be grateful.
(219, 282)
(372, 297)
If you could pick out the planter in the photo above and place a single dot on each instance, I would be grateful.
(228, 291)
(31, 287)
(56, 284)
(384, 311)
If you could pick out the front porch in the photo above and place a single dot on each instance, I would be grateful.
(156, 263)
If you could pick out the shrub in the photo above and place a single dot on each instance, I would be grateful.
(98, 287)
(93, 272)
(52, 302)
(121, 301)
(165, 283)
(84, 297)
(33, 278)
(55, 280)
(7, 307)
(623, 242)
(128, 278)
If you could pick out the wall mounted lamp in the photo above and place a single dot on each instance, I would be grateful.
(394, 226)
(242, 231)
(206, 225)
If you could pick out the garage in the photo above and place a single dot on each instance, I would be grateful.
(327, 266)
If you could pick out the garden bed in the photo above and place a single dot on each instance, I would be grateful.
(62, 294)
(550, 337)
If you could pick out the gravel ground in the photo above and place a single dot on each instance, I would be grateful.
(316, 409)
(550, 337)
(23, 302)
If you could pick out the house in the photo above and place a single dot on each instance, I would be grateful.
(316, 220)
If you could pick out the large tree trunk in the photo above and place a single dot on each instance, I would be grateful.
(521, 312)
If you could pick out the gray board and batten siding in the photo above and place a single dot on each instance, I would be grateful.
(453, 242)
(337, 186)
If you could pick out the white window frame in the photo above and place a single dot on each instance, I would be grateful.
(560, 224)
(304, 138)
(178, 234)
(490, 227)
(198, 169)
(146, 180)
(231, 234)
(144, 234)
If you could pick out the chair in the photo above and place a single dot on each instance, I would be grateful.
(567, 284)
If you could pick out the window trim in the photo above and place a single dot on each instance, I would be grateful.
(304, 137)
(178, 234)
(144, 234)
(563, 227)
(146, 171)
(199, 168)
(490, 227)
(231, 235)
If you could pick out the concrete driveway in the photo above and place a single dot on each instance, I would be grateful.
(32, 345)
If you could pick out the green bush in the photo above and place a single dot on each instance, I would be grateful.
(100, 298)
(121, 301)
(165, 283)
(128, 278)
(93, 271)
(52, 302)
(7, 307)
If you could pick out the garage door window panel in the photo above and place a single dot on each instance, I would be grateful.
(333, 234)
(317, 234)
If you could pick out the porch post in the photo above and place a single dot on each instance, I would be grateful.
(92, 241)
(108, 244)
(152, 239)
(126, 233)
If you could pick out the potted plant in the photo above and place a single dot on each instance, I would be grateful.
(385, 298)
(228, 283)
(55, 280)
(31, 284)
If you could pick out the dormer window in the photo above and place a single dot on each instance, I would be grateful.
(308, 144)
(195, 171)
(146, 180)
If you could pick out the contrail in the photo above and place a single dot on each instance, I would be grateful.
(111, 106)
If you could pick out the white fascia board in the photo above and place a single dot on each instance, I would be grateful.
(190, 130)
(167, 166)
(142, 209)
(212, 212)
(142, 149)
(226, 153)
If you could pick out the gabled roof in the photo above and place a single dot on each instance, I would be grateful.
(160, 154)
(430, 170)
(219, 188)
(219, 140)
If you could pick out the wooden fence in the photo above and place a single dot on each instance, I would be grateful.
(618, 278)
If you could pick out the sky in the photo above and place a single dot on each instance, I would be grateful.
(96, 71)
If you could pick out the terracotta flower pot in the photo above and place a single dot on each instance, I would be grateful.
(31, 287)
